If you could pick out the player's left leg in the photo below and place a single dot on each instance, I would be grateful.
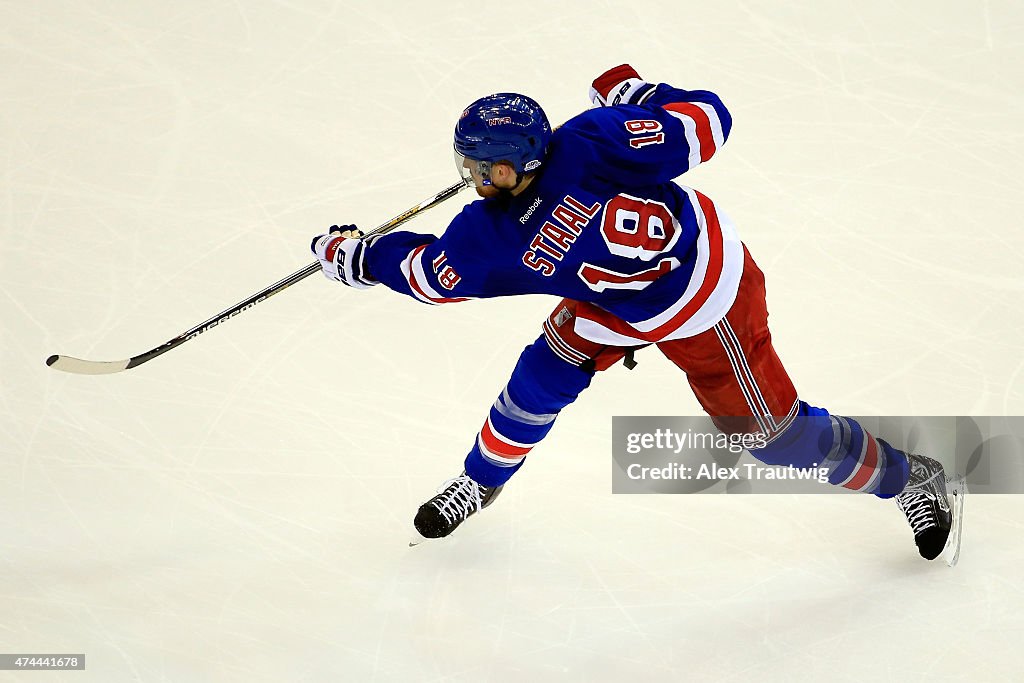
(549, 375)
(740, 381)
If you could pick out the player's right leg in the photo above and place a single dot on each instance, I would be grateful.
(540, 386)
(548, 376)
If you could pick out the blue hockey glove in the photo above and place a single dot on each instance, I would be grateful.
(341, 254)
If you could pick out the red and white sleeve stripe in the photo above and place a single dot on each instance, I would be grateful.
(702, 126)
(422, 282)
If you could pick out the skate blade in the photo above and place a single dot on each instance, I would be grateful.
(957, 488)
(417, 538)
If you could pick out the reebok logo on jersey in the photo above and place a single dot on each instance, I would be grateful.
(529, 211)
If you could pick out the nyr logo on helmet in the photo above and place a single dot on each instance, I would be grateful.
(498, 120)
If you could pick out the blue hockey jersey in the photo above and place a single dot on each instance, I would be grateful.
(602, 223)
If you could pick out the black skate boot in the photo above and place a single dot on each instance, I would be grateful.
(926, 503)
(457, 499)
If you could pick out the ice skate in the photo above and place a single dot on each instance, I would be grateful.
(457, 499)
(933, 505)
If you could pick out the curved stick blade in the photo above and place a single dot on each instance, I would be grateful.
(86, 367)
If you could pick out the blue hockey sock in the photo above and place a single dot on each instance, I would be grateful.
(854, 459)
(540, 386)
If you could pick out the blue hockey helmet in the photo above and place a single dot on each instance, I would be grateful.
(502, 127)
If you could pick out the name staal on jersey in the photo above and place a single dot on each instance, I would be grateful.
(603, 223)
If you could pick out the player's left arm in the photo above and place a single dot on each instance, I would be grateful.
(656, 131)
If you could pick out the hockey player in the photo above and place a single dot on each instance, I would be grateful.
(590, 213)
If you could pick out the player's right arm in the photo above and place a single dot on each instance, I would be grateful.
(422, 267)
(641, 133)
(431, 270)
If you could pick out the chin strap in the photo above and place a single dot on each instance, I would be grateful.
(507, 192)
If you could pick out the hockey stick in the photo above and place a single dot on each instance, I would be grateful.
(94, 367)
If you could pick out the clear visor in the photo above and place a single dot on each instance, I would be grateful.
(472, 171)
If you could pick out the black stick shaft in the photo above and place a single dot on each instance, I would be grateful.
(70, 364)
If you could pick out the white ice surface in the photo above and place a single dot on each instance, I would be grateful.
(238, 510)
